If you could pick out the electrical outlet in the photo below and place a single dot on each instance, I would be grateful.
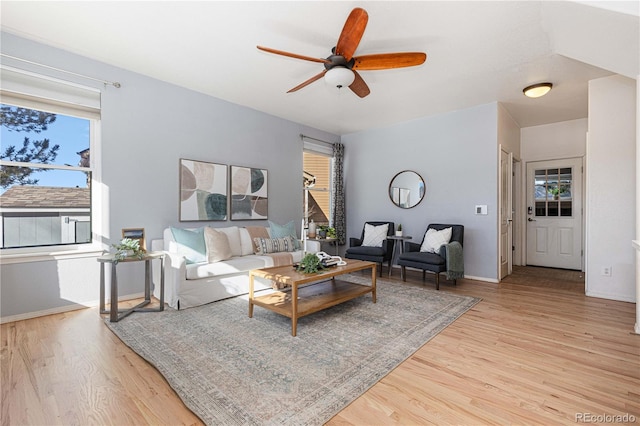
(606, 271)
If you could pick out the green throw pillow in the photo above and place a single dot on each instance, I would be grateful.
(281, 231)
(191, 244)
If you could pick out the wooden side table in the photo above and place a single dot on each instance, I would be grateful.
(398, 241)
(333, 241)
(116, 315)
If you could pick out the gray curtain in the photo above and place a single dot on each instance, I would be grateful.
(339, 219)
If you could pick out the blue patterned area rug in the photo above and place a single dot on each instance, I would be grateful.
(234, 370)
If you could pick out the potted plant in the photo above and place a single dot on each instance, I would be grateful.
(326, 231)
(331, 232)
(399, 230)
(128, 247)
(557, 191)
(310, 264)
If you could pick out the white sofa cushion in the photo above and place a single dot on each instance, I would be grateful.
(231, 266)
(234, 265)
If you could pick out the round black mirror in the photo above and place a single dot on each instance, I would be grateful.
(406, 189)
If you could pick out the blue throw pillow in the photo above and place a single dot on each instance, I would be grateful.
(191, 244)
(281, 231)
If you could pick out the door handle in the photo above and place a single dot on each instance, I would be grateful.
(531, 220)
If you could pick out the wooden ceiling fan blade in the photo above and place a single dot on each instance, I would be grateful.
(383, 61)
(352, 33)
(294, 55)
(308, 82)
(359, 87)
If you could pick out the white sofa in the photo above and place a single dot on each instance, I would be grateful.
(193, 284)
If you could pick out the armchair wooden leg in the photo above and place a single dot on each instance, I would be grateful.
(437, 281)
(404, 273)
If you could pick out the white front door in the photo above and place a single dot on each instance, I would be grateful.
(506, 212)
(554, 213)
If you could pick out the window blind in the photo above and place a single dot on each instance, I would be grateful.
(30, 90)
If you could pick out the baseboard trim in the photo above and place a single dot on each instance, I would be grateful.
(616, 297)
(466, 277)
(489, 280)
(62, 309)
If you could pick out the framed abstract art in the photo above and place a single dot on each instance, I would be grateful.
(249, 194)
(203, 191)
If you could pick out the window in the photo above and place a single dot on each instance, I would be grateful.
(553, 192)
(47, 173)
(317, 166)
(44, 199)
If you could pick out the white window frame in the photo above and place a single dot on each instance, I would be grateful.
(66, 251)
(325, 150)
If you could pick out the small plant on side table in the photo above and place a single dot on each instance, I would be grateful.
(310, 264)
(331, 232)
(128, 247)
(328, 231)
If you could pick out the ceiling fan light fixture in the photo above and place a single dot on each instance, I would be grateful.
(339, 77)
(537, 90)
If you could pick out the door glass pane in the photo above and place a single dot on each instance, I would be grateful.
(550, 187)
(565, 184)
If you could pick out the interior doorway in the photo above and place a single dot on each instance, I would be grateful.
(552, 278)
(506, 213)
(510, 213)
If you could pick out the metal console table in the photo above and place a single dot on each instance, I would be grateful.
(115, 314)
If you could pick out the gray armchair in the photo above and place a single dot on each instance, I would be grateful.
(372, 254)
(435, 262)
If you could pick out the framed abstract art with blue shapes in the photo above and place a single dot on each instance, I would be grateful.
(203, 191)
(249, 195)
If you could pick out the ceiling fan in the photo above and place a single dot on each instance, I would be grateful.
(341, 68)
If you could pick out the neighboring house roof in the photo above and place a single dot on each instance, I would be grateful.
(45, 197)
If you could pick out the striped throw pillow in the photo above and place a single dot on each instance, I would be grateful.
(274, 245)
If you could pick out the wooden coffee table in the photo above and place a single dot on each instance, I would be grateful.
(323, 289)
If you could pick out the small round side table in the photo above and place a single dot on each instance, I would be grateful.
(398, 241)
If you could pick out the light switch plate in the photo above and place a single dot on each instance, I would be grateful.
(481, 209)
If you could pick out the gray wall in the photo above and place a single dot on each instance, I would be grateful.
(456, 154)
(611, 205)
(147, 126)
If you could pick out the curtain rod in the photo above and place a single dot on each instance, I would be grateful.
(105, 82)
(314, 139)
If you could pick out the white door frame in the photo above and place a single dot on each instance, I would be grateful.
(518, 213)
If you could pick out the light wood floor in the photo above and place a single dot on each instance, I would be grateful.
(534, 351)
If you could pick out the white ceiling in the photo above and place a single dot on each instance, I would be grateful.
(477, 52)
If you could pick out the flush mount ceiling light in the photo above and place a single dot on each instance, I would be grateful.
(339, 77)
(537, 90)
